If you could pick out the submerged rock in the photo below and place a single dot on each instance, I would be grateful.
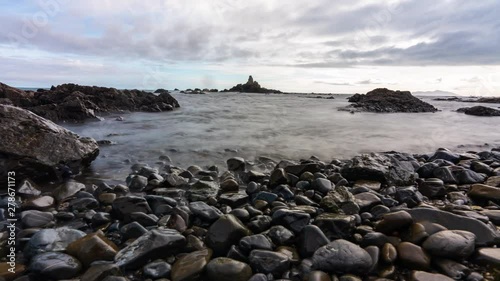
(28, 147)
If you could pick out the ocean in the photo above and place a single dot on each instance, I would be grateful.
(209, 129)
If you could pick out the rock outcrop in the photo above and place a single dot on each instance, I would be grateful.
(480, 111)
(387, 101)
(76, 103)
(34, 147)
(251, 86)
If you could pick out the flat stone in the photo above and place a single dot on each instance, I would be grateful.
(373, 185)
(427, 276)
(34, 218)
(39, 203)
(485, 235)
(483, 191)
(154, 244)
(336, 226)
(55, 265)
(51, 240)
(191, 266)
(488, 256)
(226, 269)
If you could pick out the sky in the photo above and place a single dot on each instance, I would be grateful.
(332, 46)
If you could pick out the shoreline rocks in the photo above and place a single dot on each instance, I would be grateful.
(77, 103)
(383, 100)
(376, 216)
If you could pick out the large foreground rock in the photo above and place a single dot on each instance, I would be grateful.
(390, 169)
(72, 102)
(36, 148)
(388, 101)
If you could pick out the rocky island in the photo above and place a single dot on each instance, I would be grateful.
(251, 86)
(480, 111)
(76, 103)
(383, 100)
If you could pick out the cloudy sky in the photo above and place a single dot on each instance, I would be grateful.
(341, 46)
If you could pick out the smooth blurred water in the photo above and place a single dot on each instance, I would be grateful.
(210, 128)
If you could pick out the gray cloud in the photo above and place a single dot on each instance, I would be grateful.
(299, 34)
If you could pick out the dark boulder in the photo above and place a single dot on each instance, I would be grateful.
(251, 86)
(36, 148)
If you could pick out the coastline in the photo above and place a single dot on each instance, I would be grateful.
(395, 215)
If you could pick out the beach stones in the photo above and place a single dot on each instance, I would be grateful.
(488, 256)
(124, 206)
(191, 266)
(92, 247)
(226, 269)
(269, 262)
(453, 244)
(55, 265)
(51, 240)
(413, 256)
(485, 235)
(154, 244)
(342, 256)
(293, 220)
(426, 276)
(394, 221)
(224, 232)
(482, 191)
(336, 226)
(310, 239)
(34, 218)
(204, 211)
(236, 164)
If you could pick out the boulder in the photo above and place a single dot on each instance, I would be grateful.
(34, 147)
(453, 244)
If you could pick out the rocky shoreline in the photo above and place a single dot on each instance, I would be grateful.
(76, 103)
(390, 216)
